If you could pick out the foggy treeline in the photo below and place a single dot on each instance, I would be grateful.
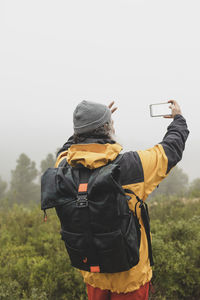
(25, 181)
(34, 262)
(24, 186)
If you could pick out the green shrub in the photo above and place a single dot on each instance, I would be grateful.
(176, 247)
(34, 264)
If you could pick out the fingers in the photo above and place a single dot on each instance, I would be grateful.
(111, 105)
(168, 117)
(113, 110)
(172, 102)
(174, 106)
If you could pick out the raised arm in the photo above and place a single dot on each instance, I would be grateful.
(159, 160)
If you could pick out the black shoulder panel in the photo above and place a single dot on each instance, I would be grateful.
(174, 141)
(63, 163)
(65, 146)
(131, 168)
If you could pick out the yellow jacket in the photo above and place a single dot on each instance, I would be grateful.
(141, 172)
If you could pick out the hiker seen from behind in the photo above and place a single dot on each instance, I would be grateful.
(100, 192)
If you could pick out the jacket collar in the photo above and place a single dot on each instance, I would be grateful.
(92, 152)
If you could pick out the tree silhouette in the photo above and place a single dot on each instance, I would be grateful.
(48, 162)
(194, 190)
(3, 186)
(23, 188)
(175, 183)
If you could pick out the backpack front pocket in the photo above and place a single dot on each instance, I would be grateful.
(77, 248)
(112, 252)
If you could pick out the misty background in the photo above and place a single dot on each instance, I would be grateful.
(54, 54)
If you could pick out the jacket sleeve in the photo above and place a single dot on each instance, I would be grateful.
(159, 160)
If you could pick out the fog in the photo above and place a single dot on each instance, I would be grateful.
(54, 54)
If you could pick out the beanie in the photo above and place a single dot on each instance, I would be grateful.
(90, 115)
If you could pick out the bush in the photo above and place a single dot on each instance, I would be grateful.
(34, 262)
(176, 247)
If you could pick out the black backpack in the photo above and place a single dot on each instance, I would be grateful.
(100, 232)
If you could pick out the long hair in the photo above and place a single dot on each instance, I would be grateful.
(104, 131)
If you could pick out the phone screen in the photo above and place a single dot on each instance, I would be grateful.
(160, 109)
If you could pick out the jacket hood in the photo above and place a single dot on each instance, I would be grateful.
(92, 156)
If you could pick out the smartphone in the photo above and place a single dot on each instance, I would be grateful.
(160, 109)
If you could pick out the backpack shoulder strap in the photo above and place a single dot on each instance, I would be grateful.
(82, 202)
(83, 177)
(116, 160)
(146, 220)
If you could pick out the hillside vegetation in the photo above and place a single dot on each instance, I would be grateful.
(34, 264)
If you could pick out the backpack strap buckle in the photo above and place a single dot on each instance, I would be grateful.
(82, 201)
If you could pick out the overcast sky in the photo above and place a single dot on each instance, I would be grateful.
(54, 54)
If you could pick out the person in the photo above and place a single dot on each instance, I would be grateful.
(93, 146)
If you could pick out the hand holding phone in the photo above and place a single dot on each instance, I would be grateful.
(164, 109)
(176, 110)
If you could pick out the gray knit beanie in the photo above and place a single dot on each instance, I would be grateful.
(90, 115)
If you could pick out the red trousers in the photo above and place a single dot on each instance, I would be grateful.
(97, 294)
